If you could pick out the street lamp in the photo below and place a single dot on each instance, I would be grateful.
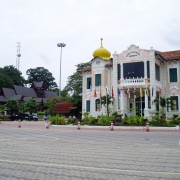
(61, 45)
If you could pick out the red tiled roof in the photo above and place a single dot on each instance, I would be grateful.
(85, 69)
(169, 55)
(109, 64)
(63, 108)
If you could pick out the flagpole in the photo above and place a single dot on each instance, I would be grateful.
(141, 106)
(159, 104)
(106, 102)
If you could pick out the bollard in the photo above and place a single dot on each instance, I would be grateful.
(147, 127)
(47, 124)
(78, 125)
(19, 123)
(112, 128)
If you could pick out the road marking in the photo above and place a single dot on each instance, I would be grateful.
(22, 138)
(89, 167)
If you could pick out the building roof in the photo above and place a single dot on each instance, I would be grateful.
(24, 91)
(17, 97)
(38, 100)
(26, 98)
(49, 94)
(37, 84)
(169, 55)
(3, 99)
(102, 52)
(85, 69)
(63, 108)
(8, 93)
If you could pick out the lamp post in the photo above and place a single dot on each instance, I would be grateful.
(61, 45)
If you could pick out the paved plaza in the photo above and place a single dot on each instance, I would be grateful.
(33, 152)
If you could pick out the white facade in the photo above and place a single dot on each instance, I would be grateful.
(117, 73)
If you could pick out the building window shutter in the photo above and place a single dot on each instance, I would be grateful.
(87, 106)
(173, 74)
(88, 83)
(98, 80)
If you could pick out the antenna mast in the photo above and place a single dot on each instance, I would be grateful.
(18, 55)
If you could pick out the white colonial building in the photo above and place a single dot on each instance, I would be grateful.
(135, 76)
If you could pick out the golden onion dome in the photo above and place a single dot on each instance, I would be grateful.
(102, 52)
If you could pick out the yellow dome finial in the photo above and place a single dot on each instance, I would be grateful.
(102, 52)
(101, 41)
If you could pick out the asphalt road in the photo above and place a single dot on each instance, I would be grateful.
(35, 153)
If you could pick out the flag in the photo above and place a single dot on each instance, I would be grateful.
(147, 91)
(107, 90)
(123, 92)
(95, 95)
(152, 90)
(112, 92)
(100, 93)
(159, 91)
(141, 94)
(134, 92)
(119, 92)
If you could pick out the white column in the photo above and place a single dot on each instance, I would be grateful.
(145, 69)
(146, 100)
(122, 104)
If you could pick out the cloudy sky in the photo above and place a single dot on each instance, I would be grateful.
(40, 24)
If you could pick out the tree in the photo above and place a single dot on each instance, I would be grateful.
(14, 74)
(31, 106)
(41, 74)
(9, 76)
(12, 106)
(51, 103)
(73, 89)
(5, 81)
(106, 101)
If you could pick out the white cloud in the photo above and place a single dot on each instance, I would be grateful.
(40, 25)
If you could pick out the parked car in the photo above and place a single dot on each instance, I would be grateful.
(26, 116)
(18, 116)
(33, 117)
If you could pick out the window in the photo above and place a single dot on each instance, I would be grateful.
(157, 68)
(87, 106)
(119, 71)
(98, 105)
(174, 103)
(88, 82)
(97, 79)
(172, 74)
(148, 70)
(135, 70)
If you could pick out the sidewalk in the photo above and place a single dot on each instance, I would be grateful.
(41, 124)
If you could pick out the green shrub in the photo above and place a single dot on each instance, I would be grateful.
(58, 120)
(134, 120)
(104, 120)
(175, 116)
(158, 122)
(40, 113)
(90, 120)
(174, 122)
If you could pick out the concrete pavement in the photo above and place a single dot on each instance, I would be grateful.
(35, 153)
